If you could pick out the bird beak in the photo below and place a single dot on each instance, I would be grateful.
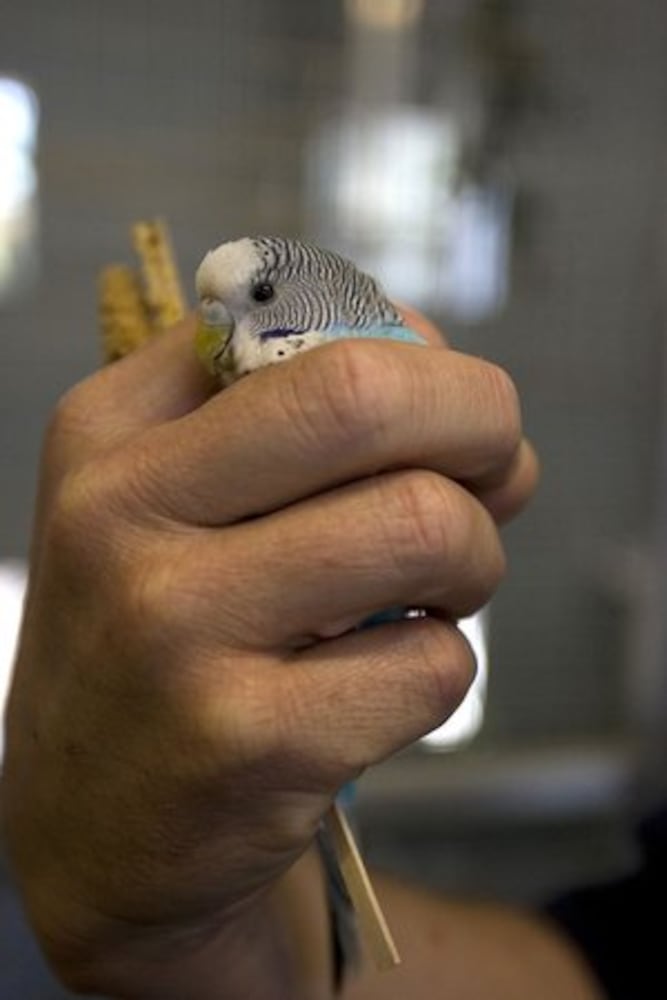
(215, 329)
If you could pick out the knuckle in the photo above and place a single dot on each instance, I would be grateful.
(77, 515)
(449, 664)
(435, 532)
(86, 530)
(506, 408)
(476, 558)
(173, 598)
(139, 484)
(72, 414)
(149, 596)
(443, 669)
(422, 513)
(341, 393)
(161, 598)
(254, 726)
(241, 720)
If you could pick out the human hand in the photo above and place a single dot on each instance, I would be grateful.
(189, 693)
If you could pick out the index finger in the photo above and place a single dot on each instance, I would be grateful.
(510, 487)
(341, 412)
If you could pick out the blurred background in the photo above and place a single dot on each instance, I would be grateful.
(496, 163)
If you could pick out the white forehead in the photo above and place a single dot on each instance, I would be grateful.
(228, 269)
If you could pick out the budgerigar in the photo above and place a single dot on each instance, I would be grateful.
(263, 299)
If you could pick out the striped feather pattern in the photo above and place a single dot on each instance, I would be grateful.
(317, 289)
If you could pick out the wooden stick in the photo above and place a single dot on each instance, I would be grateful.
(164, 295)
(137, 304)
(372, 923)
(124, 321)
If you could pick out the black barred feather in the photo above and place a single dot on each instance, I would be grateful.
(317, 289)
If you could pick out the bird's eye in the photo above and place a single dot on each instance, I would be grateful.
(262, 291)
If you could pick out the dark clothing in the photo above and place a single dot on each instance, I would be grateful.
(619, 926)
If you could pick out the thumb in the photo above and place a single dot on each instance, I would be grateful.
(157, 383)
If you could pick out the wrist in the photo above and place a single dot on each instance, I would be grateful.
(246, 958)
(275, 947)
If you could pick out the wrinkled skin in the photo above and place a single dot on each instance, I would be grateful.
(188, 694)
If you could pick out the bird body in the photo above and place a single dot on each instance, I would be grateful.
(264, 299)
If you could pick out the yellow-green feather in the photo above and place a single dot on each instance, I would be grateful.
(208, 342)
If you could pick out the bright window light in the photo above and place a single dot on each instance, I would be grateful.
(467, 720)
(13, 577)
(385, 15)
(19, 117)
(385, 188)
(475, 263)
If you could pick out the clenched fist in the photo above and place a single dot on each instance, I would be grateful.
(191, 690)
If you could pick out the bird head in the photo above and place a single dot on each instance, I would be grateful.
(256, 289)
